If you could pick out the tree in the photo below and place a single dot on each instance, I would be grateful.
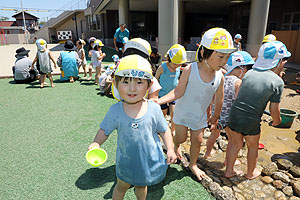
(2, 18)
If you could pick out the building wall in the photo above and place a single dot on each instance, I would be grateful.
(16, 38)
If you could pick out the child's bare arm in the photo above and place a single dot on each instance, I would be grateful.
(100, 138)
(159, 71)
(51, 57)
(34, 61)
(168, 141)
(219, 96)
(275, 113)
(102, 55)
(238, 84)
(179, 90)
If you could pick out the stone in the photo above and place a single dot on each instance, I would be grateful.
(295, 171)
(296, 187)
(269, 169)
(278, 184)
(223, 145)
(284, 164)
(266, 179)
(278, 194)
(294, 198)
(281, 176)
(206, 133)
(236, 189)
(238, 196)
(260, 194)
(288, 190)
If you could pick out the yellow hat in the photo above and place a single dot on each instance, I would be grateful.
(218, 39)
(177, 54)
(269, 38)
(139, 44)
(134, 66)
(41, 45)
(98, 42)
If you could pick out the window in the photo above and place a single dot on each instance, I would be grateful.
(291, 21)
(94, 22)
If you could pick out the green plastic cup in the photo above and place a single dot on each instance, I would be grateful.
(96, 156)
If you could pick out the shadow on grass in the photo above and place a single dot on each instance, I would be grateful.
(157, 191)
(96, 177)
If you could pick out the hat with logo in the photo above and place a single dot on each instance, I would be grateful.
(177, 54)
(218, 39)
(269, 38)
(115, 58)
(238, 36)
(270, 54)
(237, 59)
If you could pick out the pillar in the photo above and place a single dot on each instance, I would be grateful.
(259, 12)
(124, 12)
(181, 19)
(167, 24)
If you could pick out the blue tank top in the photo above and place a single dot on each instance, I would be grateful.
(168, 80)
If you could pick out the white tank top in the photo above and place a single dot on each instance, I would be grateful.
(190, 109)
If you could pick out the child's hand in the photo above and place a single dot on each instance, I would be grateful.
(93, 145)
(171, 157)
(103, 54)
(213, 121)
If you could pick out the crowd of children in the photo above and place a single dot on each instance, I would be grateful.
(201, 95)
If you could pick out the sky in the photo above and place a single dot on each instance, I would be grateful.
(51, 5)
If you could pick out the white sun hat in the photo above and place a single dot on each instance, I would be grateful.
(238, 58)
(270, 54)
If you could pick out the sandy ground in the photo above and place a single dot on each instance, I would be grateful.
(8, 52)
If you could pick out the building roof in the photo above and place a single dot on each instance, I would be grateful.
(20, 13)
(6, 23)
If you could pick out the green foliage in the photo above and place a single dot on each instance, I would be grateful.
(2, 18)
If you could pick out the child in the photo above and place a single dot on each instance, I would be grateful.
(140, 47)
(97, 57)
(115, 59)
(44, 56)
(260, 86)
(167, 75)
(91, 44)
(236, 66)
(198, 83)
(105, 80)
(69, 61)
(236, 43)
(140, 160)
(81, 53)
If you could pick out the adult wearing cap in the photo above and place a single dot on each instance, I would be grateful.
(22, 69)
(260, 86)
(236, 43)
(199, 82)
(68, 61)
(120, 34)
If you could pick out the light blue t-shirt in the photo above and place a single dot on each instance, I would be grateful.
(120, 35)
(168, 80)
(139, 160)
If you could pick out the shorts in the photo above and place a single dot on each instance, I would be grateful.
(42, 73)
(243, 125)
(166, 105)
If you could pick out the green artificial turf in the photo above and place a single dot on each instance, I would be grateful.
(44, 137)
